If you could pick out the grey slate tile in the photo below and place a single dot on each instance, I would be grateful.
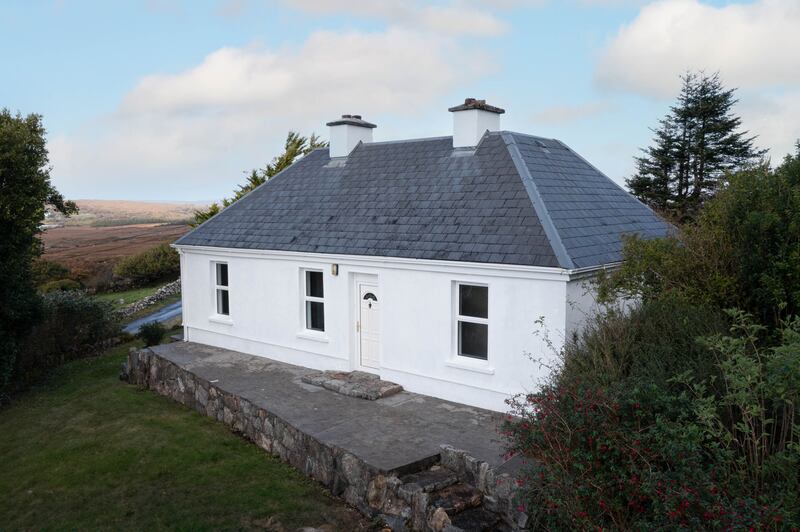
(414, 199)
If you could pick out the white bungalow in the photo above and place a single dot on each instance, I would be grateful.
(425, 261)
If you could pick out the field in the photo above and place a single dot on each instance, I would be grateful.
(86, 451)
(90, 243)
(101, 213)
(91, 252)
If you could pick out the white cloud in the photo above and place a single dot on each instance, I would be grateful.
(462, 20)
(451, 18)
(564, 114)
(612, 3)
(752, 45)
(775, 119)
(199, 127)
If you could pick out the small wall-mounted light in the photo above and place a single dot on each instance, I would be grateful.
(334, 269)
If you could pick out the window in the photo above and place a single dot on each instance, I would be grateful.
(314, 302)
(473, 321)
(221, 286)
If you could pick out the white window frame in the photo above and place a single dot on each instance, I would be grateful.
(458, 356)
(221, 288)
(305, 299)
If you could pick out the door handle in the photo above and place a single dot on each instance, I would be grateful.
(358, 326)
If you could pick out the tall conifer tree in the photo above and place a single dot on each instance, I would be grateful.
(695, 146)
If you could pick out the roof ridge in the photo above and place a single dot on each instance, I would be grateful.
(402, 141)
(559, 250)
(537, 137)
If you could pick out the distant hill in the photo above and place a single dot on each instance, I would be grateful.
(104, 213)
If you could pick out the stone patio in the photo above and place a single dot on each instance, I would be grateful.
(415, 461)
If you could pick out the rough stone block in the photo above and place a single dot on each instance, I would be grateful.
(438, 520)
(201, 396)
(432, 479)
(227, 415)
(476, 519)
(456, 498)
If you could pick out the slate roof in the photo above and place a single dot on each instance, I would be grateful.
(515, 199)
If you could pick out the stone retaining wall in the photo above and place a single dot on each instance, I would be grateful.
(375, 493)
(499, 490)
(162, 293)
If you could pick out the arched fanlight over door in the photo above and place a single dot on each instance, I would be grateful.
(370, 296)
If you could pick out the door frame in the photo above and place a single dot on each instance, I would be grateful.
(359, 280)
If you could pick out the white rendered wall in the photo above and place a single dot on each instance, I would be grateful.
(418, 332)
(469, 126)
(581, 303)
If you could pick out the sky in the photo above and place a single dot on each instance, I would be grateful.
(176, 100)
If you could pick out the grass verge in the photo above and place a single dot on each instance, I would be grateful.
(86, 451)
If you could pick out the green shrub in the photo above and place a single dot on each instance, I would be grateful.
(45, 271)
(713, 444)
(754, 410)
(61, 284)
(155, 264)
(152, 333)
(743, 252)
(72, 325)
(631, 457)
(649, 342)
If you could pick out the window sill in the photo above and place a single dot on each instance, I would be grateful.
(314, 335)
(221, 319)
(478, 366)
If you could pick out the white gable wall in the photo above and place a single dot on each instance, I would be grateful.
(581, 303)
(417, 318)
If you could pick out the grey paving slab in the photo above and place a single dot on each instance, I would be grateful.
(388, 433)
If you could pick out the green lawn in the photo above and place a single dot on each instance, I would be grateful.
(87, 451)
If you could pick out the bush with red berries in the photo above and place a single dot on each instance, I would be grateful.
(632, 458)
(721, 453)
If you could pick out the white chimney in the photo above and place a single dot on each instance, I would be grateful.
(471, 120)
(347, 132)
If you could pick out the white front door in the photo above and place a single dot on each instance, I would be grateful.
(369, 331)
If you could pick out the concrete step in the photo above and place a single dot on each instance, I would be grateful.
(476, 519)
(435, 478)
(456, 498)
(353, 384)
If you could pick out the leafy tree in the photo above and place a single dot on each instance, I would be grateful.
(25, 189)
(296, 146)
(695, 146)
